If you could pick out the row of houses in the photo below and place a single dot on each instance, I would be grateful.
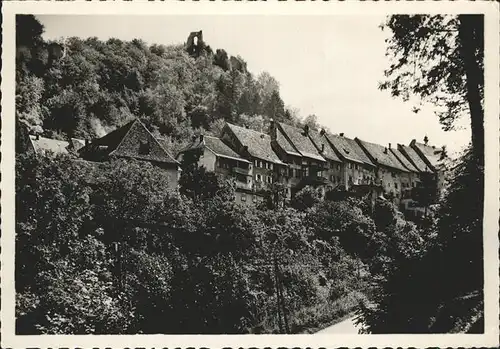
(294, 157)
(299, 157)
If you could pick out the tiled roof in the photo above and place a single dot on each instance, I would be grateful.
(258, 143)
(320, 141)
(77, 144)
(127, 141)
(43, 144)
(285, 144)
(349, 149)
(221, 149)
(382, 155)
(433, 154)
(412, 155)
(301, 141)
(406, 163)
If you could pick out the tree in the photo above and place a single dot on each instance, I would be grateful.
(197, 183)
(312, 122)
(305, 198)
(440, 59)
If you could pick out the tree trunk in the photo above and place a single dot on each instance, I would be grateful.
(471, 40)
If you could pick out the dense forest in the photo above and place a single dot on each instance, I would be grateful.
(85, 88)
(90, 259)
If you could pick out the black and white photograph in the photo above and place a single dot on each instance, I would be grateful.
(258, 174)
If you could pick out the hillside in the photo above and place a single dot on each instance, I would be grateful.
(85, 88)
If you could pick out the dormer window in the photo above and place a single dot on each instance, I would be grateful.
(144, 148)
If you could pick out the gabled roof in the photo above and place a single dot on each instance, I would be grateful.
(433, 154)
(221, 149)
(414, 158)
(321, 142)
(126, 142)
(285, 144)
(42, 145)
(402, 159)
(76, 143)
(301, 141)
(349, 149)
(258, 143)
(216, 146)
(382, 155)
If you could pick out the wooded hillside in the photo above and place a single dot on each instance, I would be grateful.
(86, 87)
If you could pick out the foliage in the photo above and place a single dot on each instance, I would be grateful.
(448, 53)
(92, 260)
(431, 265)
(439, 59)
(305, 198)
(99, 85)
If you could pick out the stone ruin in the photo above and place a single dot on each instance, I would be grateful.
(194, 44)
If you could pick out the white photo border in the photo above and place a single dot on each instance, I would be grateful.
(491, 10)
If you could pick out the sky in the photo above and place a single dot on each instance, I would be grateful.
(329, 66)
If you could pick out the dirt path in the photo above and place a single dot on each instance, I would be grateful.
(346, 326)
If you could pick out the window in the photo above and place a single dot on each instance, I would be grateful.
(350, 166)
(350, 179)
(256, 163)
(254, 198)
(271, 166)
(396, 185)
(258, 178)
(243, 197)
(269, 179)
(338, 179)
(144, 148)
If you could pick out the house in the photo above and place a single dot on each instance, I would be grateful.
(410, 179)
(295, 148)
(435, 158)
(216, 156)
(45, 146)
(256, 147)
(410, 183)
(427, 184)
(334, 171)
(394, 176)
(76, 144)
(358, 169)
(133, 141)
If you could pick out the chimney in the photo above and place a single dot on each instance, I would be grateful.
(389, 145)
(87, 141)
(341, 134)
(37, 136)
(322, 132)
(272, 129)
(322, 147)
(306, 130)
(385, 151)
(426, 140)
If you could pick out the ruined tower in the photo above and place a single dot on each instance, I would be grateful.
(194, 44)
